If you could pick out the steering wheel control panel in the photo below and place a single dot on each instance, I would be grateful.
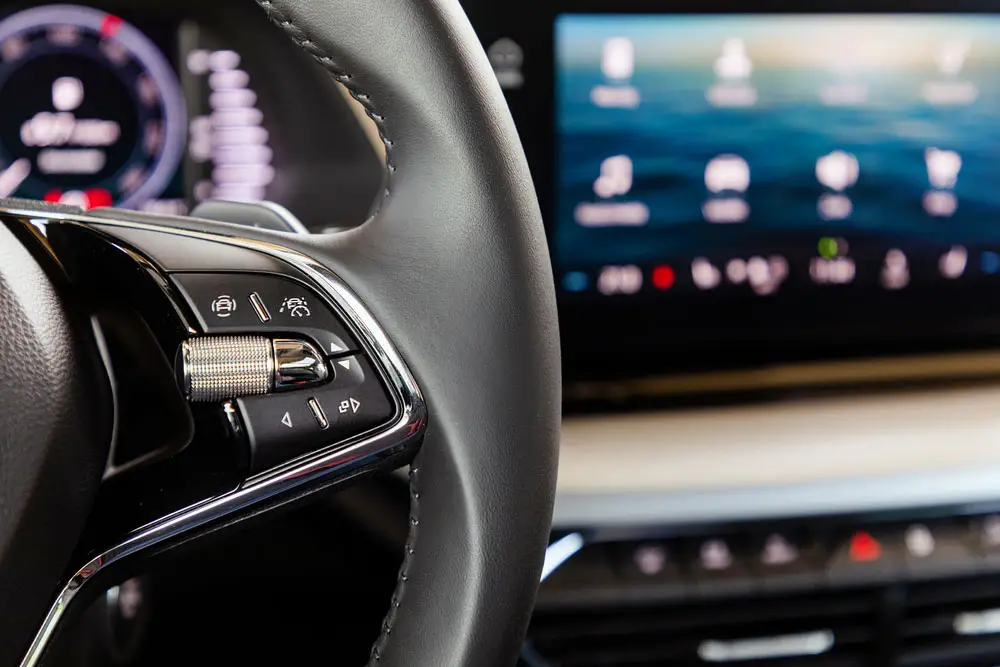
(242, 374)
(300, 379)
(238, 364)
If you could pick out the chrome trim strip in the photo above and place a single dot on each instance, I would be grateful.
(977, 623)
(614, 512)
(766, 648)
(559, 552)
(312, 472)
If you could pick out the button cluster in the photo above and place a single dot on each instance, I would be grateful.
(282, 426)
(263, 303)
(782, 559)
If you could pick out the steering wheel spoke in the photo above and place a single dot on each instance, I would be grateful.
(277, 382)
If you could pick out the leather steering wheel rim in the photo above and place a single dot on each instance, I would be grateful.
(455, 266)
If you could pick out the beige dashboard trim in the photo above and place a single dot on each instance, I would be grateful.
(930, 446)
(958, 365)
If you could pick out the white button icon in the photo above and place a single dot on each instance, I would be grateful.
(296, 306)
(618, 58)
(734, 63)
(619, 280)
(725, 210)
(832, 270)
(224, 305)
(287, 420)
(350, 405)
(837, 171)
(736, 271)
(895, 270)
(778, 551)
(615, 178)
(940, 203)
(650, 559)
(346, 363)
(952, 264)
(704, 274)
(727, 172)
(715, 555)
(942, 167)
(67, 93)
(834, 207)
(919, 541)
(766, 275)
(950, 58)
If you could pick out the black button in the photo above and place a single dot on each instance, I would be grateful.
(279, 428)
(348, 372)
(652, 566)
(865, 556)
(354, 408)
(719, 566)
(986, 535)
(283, 426)
(266, 303)
(938, 549)
(788, 559)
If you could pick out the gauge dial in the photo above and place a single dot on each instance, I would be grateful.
(92, 112)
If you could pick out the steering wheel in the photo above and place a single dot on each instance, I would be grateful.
(447, 289)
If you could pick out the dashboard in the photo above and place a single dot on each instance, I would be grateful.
(761, 218)
(159, 106)
(775, 234)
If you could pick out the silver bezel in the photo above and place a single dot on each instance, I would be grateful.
(290, 480)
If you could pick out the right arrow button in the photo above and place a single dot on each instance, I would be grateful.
(355, 400)
(348, 372)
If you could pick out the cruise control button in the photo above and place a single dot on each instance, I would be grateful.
(652, 567)
(866, 556)
(279, 428)
(266, 303)
(352, 410)
(284, 426)
(938, 549)
(788, 560)
(348, 371)
(719, 566)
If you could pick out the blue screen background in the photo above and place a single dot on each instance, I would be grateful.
(675, 131)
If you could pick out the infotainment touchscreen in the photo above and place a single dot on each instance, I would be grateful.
(754, 157)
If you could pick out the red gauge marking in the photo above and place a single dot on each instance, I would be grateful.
(110, 25)
(53, 196)
(98, 197)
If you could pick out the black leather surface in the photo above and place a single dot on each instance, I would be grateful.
(456, 268)
(53, 443)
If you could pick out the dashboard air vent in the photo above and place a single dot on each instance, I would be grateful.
(953, 623)
(812, 630)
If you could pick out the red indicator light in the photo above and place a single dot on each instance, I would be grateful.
(53, 196)
(864, 547)
(98, 197)
(110, 25)
(663, 277)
